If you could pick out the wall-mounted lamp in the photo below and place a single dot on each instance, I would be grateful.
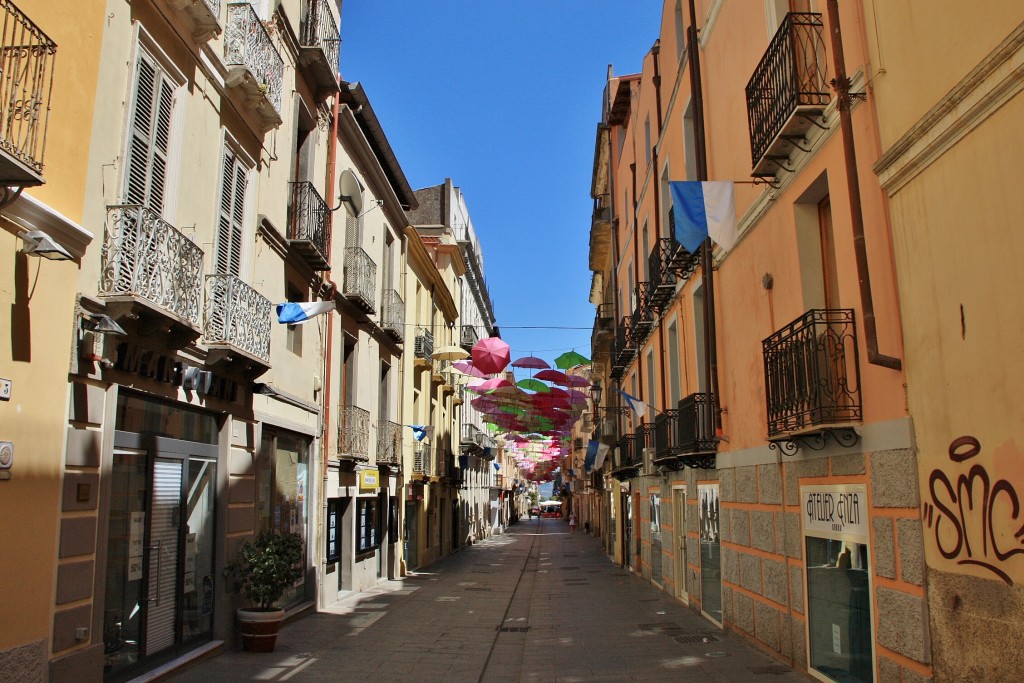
(101, 323)
(596, 392)
(38, 243)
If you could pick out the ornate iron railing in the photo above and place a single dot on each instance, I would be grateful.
(790, 75)
(320, 30)
(307, 218)
(360, 276)
(238, 315)
(26, 85)
(144, 256)
(247, 43)
(389, 443)
(812, 372)
(393, 314)
(628, 456)
(643, 314)
(697, 424)
(645, 438)
(353, 433)
(214, 6)
(666, 433)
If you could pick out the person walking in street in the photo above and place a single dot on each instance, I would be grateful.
(572, 522)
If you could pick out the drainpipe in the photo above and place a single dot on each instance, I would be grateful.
(841, 83)
(332, 288)
(707, 269)
(656, 52)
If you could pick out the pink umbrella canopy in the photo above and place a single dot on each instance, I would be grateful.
(490, 355)
(550, 376)
(466, 368)
(491, 384)
(576, 381)
(531, 362)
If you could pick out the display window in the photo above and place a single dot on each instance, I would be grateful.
(835, 531)
(282, 481)
(710, 553)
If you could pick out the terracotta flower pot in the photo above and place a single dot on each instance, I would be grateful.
(259, 629)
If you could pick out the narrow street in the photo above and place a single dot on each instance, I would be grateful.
(534, 604)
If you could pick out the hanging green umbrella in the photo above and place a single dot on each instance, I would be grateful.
(570, 359)
(533, 384)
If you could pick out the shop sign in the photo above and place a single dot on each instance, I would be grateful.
(835, 510)
(148, 363)
(368, 480)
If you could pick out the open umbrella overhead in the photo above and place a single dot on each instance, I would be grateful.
(550, 375)
(533, 384)
(531, 362)
(490, 355)
(466, 367)
(450, 353)
(575, 381)
(570, 359)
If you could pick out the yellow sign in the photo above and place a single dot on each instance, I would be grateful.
(368, 479)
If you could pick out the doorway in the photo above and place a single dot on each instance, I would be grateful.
(679, 536)
(161, 546)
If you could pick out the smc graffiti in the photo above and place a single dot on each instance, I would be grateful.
(975, 521)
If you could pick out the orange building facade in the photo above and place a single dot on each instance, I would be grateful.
(769, 478)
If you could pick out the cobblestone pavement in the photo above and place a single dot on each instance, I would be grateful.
(536, 604)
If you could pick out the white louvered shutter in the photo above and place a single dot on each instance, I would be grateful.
(232, 213)
(149, 135)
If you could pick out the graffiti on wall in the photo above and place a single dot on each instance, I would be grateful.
(976, 518)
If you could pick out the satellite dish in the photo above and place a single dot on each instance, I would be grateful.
(351, 192)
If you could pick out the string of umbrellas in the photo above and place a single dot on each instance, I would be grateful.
(534, 415)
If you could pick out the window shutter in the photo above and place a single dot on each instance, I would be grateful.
(149, 133)
(232, 214)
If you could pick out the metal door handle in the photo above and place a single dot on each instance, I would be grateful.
(159, 564)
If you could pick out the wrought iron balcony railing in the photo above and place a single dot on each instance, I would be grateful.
(812, 372)
(645, 439)
(389, 443)
(360, 277)
(26, 85)
(392, 319)
(643, 315)
(469, 336)
(787, 89)
(627, 459)
(307, 224)
(254, 61)
(319, 43)
(697, 425)
(353, 433)
(666, 433)
(144, 257)
(237, 315)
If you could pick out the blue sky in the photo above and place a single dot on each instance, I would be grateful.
(504, 98)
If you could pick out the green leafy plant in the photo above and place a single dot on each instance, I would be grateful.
(265, 567)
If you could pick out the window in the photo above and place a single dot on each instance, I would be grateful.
(231, 217)
(149, 134)
(294, 339)
(710, 553)
(647, 140)
(680, 30)
(282, 480)
(368, 525)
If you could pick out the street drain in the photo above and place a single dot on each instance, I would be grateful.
(482, 589)
(513, 629)
(692, 638)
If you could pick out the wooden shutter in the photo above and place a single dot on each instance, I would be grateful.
(149, 132)
(232, 214)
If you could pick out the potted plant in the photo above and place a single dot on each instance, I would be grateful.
(262, 571)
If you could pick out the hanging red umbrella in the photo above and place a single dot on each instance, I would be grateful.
(550, 375)
(490, 355)
(492, 384)
(531, 362)
(576, 381)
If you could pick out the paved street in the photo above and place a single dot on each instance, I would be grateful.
(535, 604)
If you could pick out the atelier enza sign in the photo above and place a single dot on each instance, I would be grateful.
(148, 363)
(835, 510)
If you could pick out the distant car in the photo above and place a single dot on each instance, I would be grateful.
(535, 512)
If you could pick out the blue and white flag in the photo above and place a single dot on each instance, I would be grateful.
(419, 432)
(588, 461)
(635, 404)
(602, 452)
(703, 209)
(298, 312)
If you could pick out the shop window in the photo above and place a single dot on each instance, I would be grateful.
(838, 589)
(710, 553)
(368, 524)
(282, 480)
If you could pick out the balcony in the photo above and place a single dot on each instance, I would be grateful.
(389, 444)
(203, 15)
(600, 232)
(812, 381)
(26, 85)
(151, 271)
(624, 349)
(787, 92)
(643, 315)
(392, 318)
(470, 437)
(307, 225)
(666, 435)
(604, 332)
(469, 337)
(319, 41)
(353, 434)
(255, 68)
(237, 325)
(628, 461)
(423, 348)
(359, 279)
(422, 460)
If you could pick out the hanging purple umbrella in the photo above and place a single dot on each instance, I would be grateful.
(531, 362)
(490, 355)
(465, 367)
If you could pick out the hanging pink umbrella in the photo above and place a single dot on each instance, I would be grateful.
(576, 381)
(531, 362)
(492, 384)
(467, 368)
(490, 355)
